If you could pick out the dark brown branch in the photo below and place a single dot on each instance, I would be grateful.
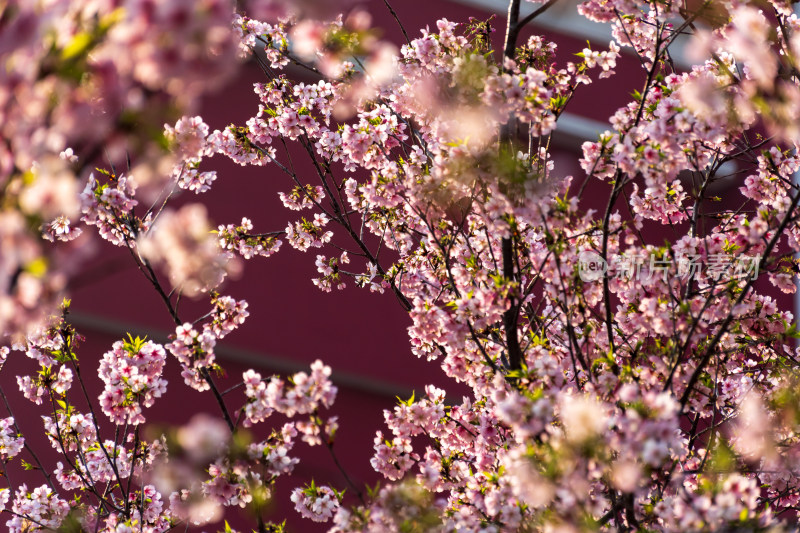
(397, 19)
(506, 245)
(521, 24)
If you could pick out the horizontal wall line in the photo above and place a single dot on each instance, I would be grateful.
(257, 360)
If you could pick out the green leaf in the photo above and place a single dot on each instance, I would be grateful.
(409, 401)
(77, 46)
(37, 267)
(373, 491)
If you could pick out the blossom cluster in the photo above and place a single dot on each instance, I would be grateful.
(108, 206)
(42, 507)
(195, 349)
(239, 239)
(560, 374)
(189, 139)
(11, 442)
(662, 403)
(131, 372)
(316, 503)
(304, 394)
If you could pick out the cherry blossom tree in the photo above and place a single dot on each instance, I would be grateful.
(617, 381)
